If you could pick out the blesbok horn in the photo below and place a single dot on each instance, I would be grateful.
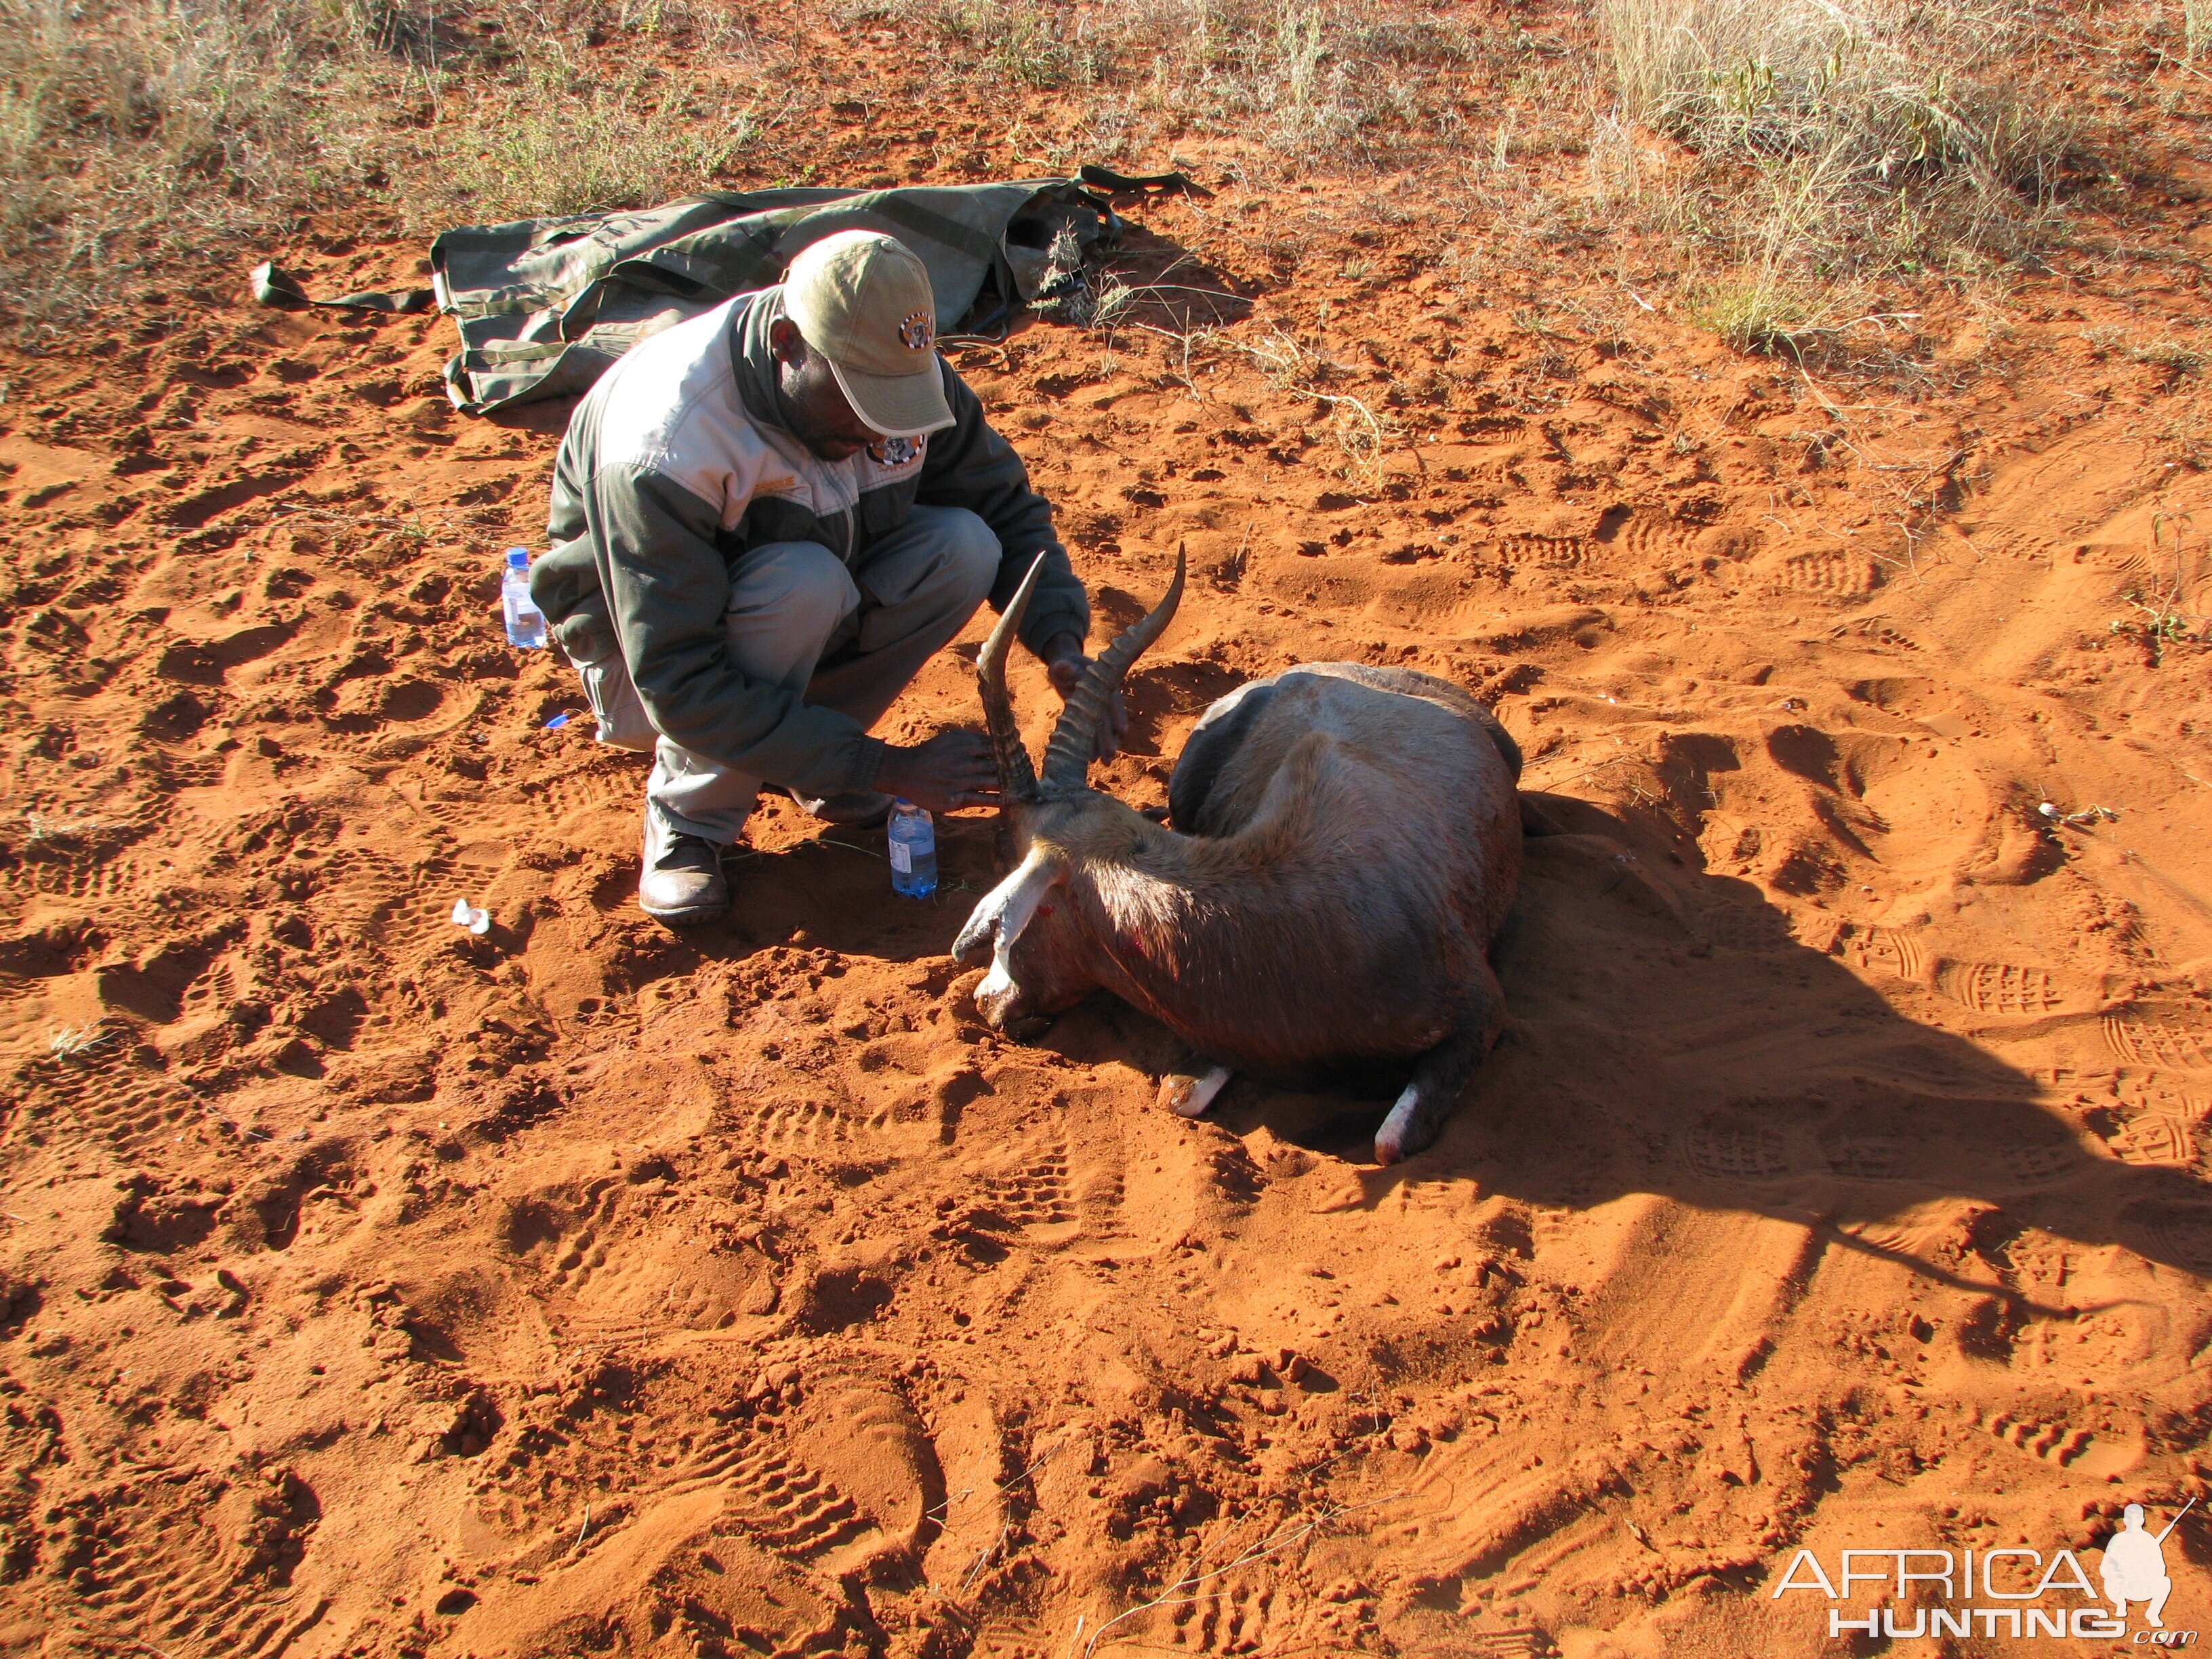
(1016, 779)
(1075, 738)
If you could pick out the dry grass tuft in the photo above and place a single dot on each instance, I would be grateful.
(563, 142)
(1826, 145)
(149, 144)
(130, 134)
(1800, 153)
(1296, 75)
(1025, 45)
(1880, 92)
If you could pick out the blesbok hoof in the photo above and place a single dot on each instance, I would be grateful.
(1411, 1128)
(1188, 1096)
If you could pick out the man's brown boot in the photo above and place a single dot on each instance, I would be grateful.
(684, 886)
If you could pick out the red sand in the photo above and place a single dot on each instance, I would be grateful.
(375, 1289)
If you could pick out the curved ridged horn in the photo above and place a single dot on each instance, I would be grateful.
(1075, 738)
(1017, 781)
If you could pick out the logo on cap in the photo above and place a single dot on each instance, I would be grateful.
(915, 332)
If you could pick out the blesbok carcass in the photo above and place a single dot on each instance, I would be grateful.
(1349, 846)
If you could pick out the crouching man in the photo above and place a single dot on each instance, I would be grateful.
(764, 522)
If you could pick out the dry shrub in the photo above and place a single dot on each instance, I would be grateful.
(1882, 91)
(1301, 76)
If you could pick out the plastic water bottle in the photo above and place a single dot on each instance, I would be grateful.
(525, 623)
(913, 851)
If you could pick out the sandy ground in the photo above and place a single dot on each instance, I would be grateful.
(372, 1288)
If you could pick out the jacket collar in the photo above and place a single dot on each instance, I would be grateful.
(753, 358)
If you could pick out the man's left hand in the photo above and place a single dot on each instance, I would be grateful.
(1065, 661)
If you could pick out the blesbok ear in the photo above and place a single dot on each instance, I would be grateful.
(1007, 909)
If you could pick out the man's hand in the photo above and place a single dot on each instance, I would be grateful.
(953, 768)
(1065, 661)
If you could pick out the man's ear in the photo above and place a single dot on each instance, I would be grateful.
(787, 343)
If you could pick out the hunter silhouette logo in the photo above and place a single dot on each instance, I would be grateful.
(2012, 1590)
(2135, 1565)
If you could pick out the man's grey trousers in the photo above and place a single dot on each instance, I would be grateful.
(848, 640)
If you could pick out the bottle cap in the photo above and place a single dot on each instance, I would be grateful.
(900, 800)
(518, 558)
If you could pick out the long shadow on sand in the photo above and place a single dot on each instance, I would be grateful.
(833, 892)
(1673, 1037)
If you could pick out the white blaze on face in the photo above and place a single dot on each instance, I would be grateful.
(998, 981)
(1002, 915)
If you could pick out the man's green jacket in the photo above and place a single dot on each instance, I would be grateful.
(676, 465)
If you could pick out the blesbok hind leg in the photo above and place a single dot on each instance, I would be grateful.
(1440, 1076)
(1189, 1093)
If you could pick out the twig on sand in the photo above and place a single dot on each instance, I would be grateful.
(1274, 1544)
(319, 514)
(983, 1557)
(953, 886)
(941, 1510)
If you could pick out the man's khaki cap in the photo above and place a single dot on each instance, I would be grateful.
(863, 301)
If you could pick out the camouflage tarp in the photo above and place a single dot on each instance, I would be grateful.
(545, 305)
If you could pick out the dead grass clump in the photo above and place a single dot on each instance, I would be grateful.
(1304, 77)
(1881, 92)
(559, 142)
(1830, 143)
(2176, 358)
(152, 142)
(1023, 44)
(1293, 365)
(2172, 356)
(132, 134)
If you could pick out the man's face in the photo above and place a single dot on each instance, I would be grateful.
(810, 401)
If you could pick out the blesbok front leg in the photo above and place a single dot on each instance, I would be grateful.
(1187, 1093)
